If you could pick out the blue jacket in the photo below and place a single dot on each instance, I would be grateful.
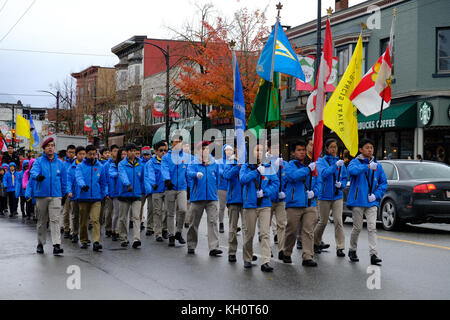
(30, 191)
(115, 184)
(175, 169)
(103, 161)
(152, 176)
(276, 171)
(131, 174)
(55, 182)
(71, 182)
(94, 176)
(8, 182)
(68, 163)
(20, 191)
(297, 184)
(234, 190)
(250, 178)
(206, 187)
(360, 175)
(223, 183)
(328, 176)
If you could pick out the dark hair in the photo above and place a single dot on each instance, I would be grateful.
(70, 146)
(130, 146)
(79, 149)
(301, 143)
(419, 157)
(62, 153)
(159, 145)
(10, 145)
(307, 139)
(103, 150)
(327, 144)
(119, 156)
(365, 141)
(114, 146)
(91, 148)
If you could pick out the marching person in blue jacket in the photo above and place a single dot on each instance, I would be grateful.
(107, 204)
(300, 204)
(80, 154)
(20, 190)
(131, 175)
(368, 185)
(227, 152)
(204, 173)
(332, 180)
(234, 204)
(154, 185)
(10, 181)
(187, 150)
(114, 189)
(174, 169)
(259, 186)
(92, 188)
(65, 217)
(51, 185)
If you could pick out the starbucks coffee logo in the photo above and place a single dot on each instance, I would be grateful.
(425, 113)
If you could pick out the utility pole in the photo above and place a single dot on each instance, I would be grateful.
(319, 38)
(13, 135)
(57, 112)
(167, 57)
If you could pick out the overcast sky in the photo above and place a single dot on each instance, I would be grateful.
(94, 27)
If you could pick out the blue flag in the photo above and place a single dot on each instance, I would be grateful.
(285, 58)
(239, 112)
(35, 137)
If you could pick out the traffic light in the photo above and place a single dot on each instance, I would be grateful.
(13, 134)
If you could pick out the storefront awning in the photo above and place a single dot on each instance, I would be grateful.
(396, 116)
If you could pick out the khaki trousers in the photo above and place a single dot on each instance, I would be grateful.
(66, 215)
(108, 213)
(48, 208)
(74, 218)
(187, 219)
(307, 217)
(159, 216)
(222, 195)
(89, 210)
(176, 206)
(279, 212)
(324, 211)
(251, 217)
(197, 209)
(124, 207)
(150, 213)
(141, 213)
(358, 214)
(115, 217)
(234, 211)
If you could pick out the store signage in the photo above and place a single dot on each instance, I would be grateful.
(425, 113)
(367, 125)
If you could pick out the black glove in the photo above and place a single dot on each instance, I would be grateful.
(169, 184)
(129, 188)
(155, 186)
(40, 178)
(85, 188)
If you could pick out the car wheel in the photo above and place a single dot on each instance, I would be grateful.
(389, 217)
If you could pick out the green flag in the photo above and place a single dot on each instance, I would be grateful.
(264, 111)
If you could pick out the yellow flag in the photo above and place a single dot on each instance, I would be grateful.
(23, 127)
(339, 113)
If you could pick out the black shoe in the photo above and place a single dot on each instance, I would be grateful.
(271, 254)
(266, 268)
(317, 249)
(171, 241)
(179, 237)
(215, 252)
(40, 249)
(11, 216)
(89, 242)
(131, 224)
(108, 234)
(340, 253)
(287, 259)
(221, 228)
(75, 238)
(191, 251)
(238, 229)
(275, 239)
(165, 234)
(90, 226)
(97, 246)
(136, 244)
(57, 249)
(247, 265)
(186, 225)
(66, 234)
(149, 233)
(323, 245)
(232, 258)
(124, 244)
(352, 255)
(115, 237)
(159, 239)
(259, 238)
(309, 263)
(280, 255)
(254, 258)
(84, 245)
(299, 245)
(374, 260)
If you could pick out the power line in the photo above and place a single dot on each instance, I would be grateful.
(59, 52)
(34, 1)
(6, 1)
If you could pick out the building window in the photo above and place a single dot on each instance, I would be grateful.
(344, 55)
(383, 46)
(443, 50)
(291, 88)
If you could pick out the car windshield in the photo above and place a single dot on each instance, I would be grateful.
(427, 170)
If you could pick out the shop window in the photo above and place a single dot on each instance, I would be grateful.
(406, 144)
(391, 145)
(443, 50)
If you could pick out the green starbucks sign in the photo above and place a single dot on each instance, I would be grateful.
(425, 113)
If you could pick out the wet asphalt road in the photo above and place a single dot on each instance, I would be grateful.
(415, 266)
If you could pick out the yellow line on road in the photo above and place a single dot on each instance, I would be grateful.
(413, 242)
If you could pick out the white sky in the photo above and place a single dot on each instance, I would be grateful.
(94, 27)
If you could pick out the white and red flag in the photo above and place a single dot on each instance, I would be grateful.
(316, 101)
(376, 83)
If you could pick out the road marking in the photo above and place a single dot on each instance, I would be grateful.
(417, 243)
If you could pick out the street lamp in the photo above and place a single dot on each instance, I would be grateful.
(57, 105)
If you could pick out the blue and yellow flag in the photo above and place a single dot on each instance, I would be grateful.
(285, 58)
